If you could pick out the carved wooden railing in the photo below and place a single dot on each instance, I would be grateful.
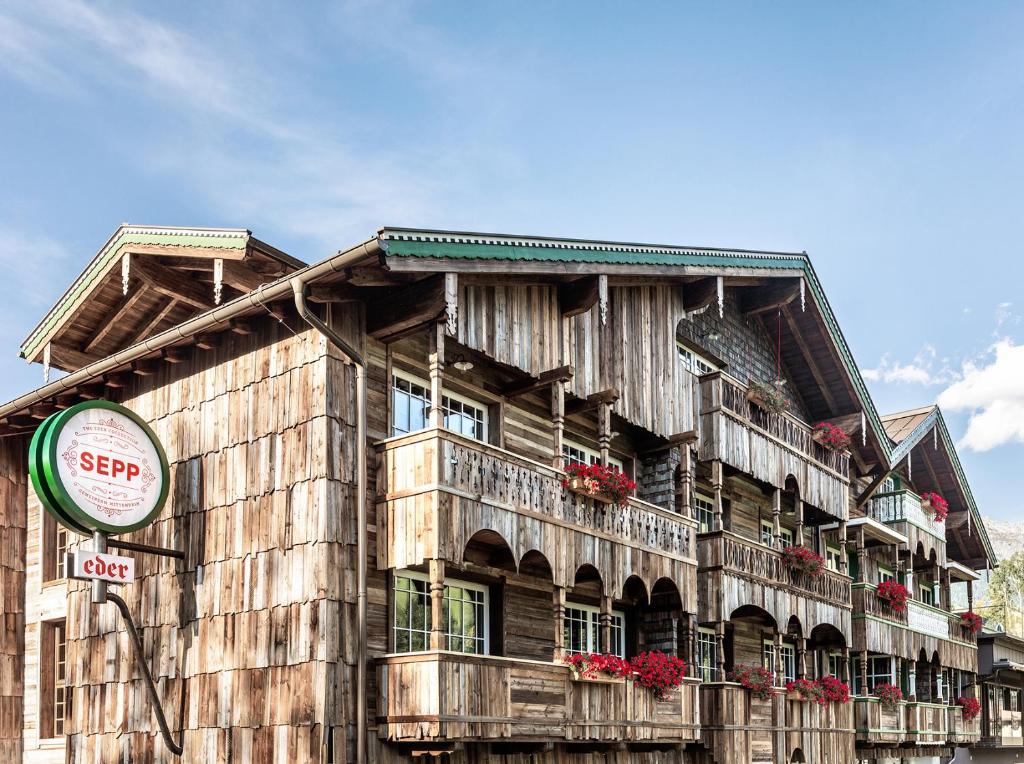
(783, 428)
(922, 618)
(1004, 728)
(441, 696)
(867, 601)
(958, 729)
(742, 557)
(879, 723)
(904, 506)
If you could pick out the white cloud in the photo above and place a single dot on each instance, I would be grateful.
(992, 389)
(926, 368)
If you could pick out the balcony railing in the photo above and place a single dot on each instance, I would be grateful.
(958, 729)
(878, 723)
(748, 559)
(919, 617)
(923, 723)
(905, 507)
(1003, 728)
(439, 459)
(450, 697)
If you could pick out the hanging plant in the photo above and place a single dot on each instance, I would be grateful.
(972, 621)
(592, 665)
(834, 690)
(658, 672)
(599, 482)
(935, 506)
(769, 396)
(757, 679)
(894, 594)
(971, 708)
(802, 559)
(805, 689)
(831, 436)
(889, 694)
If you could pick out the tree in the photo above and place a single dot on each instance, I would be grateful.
(1004, 597)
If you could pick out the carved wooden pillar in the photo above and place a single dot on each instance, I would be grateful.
(436, 362)
(716, 485)
(720, 649)
(779, 668)
(912, 681)
(685, 496)
(801, 658)
(558, 609)
(799, 508)
(970, 595)
(692, 642)
(844, 565)
(862, 556)
(944, 588)
(558, 422)
(776, 514)
(604, 430)
(605, 620)
(864, 673)
(844, 666)
(437, 627)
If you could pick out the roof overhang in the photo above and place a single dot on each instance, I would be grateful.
(958, 572)
(872, 529)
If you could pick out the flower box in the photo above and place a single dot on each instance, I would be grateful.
(580, 485)
(768, 396)
(830, 436)
(599, 482)
(893, 594)
(971, 621)
(934, 506)
(803, 560)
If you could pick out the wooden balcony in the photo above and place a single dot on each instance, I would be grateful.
(883, 726)
(437, 488)
(769, 447)
(878, 724)
(1002, 728)
(902, 510)
(744, 572)
(739, 727)
(443, 697)
(958, 730)
(927, 723)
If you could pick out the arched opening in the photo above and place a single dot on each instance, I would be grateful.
(798, 756)
(587, 626)
(488, 549)
(793, 627)
(750, 641)
(663, 624)
(633, 604)
(827, 647)
(587, 582)
(535, 565)
(527, 603)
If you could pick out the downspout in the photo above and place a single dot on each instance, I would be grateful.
(355, 358)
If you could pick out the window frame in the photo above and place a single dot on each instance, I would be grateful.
(695, 360)
(885, 573)
(484, 639)
(707, 639)
(54, 540)
(593, 455)
(465, 400)
(768, 536)
(788, 651)
(54, 699)
(874, 677)
(923, 587)
(833, 558)
(594, 632)
(701, 512)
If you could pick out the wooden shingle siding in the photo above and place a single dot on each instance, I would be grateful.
(13, 539)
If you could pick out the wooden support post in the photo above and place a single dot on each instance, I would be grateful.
(716, 485)
(779, 668)
(776, 515)
(437, 630)
(844, 563)
(558, 423)
(558, 609)
(604, 431)
(605, 620)
(864, 673)
(862, 556)
(801, 658)
(720, 650)
(944, 588)
(685, 496)
(798, 507)
(436, 361)
(844, 665)
(970, 596)
(691, 642)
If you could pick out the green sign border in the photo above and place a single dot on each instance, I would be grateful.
(40, 485)
(64, 505)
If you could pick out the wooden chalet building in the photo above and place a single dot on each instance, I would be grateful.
(382, 561)
(1001, 692)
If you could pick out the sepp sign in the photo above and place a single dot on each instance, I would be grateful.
(97, 466)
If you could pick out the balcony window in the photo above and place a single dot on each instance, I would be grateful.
(705, 510)
(885, 574)
(832, 558)
(694, 362)
(582, 631)
(576, 453)
(768, 537)
(707, 654)
(788, 653)
(927, 593)
(880, 671)
(464, 614)
(410, 406)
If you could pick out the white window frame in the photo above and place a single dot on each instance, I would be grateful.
(593, 630)
(484, 639)
(569, 445)
(707, 654)
(445, 394)
(788, 651)
(704, 509)
(874, 675)
(833, 558)
(768, 535)
(885, 573)
(694, 362)
(922, 588)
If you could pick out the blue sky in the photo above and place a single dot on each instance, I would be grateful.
(883, 140)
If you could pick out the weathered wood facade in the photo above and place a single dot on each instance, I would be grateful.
(490, 364)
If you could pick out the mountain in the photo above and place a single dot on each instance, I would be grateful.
(1007, 536)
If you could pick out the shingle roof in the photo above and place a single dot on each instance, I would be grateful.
(900, 424)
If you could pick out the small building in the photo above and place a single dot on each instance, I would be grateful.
(1001, 691)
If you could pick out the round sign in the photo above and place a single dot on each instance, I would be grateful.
(103, 467)
(38, 477)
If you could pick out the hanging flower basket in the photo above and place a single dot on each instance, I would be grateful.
(659, 672)
(971, 708)
(597, 666)
(769, 396)
(834, 690)
(934, 505)
(601, 483)
(889, 694)
(893, 594)
(972, 621)
(757, 679)
(804, 560)
(830, 436)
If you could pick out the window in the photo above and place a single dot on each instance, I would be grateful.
(879, 672)
(767, 536)
(693, 361)
(835, 663)
(53, 697)
(576, 453)
(832, 558)
(410, 406)
(705, 510)
(707, 654)
(885, 574)
(788, 653)
(464, 614)
(927, 593)
(582, 631)
(55, 547)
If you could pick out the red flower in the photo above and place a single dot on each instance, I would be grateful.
(971, 621)
(808, 690)
(834, 690)
(894, 594)
(971, 708)
(832, 436)
(589, 665)
(889, 694)
(757, 679)
(934, 503)
(658, 672)
(599, 479)
(803, 560)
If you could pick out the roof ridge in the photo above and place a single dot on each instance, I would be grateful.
(909, 412)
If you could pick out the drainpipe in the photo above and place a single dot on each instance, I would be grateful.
(353, 357)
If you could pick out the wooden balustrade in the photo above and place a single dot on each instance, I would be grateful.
(1003, 727)
(878, 723)
(739, 556)
(922, 723)
(867, 601)
(927, 723)
(449, 697)
(904, 506)
(959, 730)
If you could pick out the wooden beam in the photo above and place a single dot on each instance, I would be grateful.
(114, 319)
(242, 278)
(591, 402)
(148, 326)
(699, 294)
(812, 364)
(93, 391)
(118, 379)
(146, 367)
(241, 327)
(544, 379)
(770, 298)
(174, 355)
(375, 276)
(334, 293)
(208, 341)
(192, 253)
(398, 310)
(66, 400)
(166, 281)
(41, 410)
(69, 358)
(576, 297)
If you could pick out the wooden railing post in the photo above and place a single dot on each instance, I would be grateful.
(778, 668)
(558, 610)
(605, 620)
(862, 556)
(799, 509)
(436, 365)
(844, 563)
(716, 485)
(776, 514)
(604, 430)
(558, 421)
(720, 649)
(970, 595)
(864, 673)
(801, 658)
(437, 629)
(844, 665)
(685, 498)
